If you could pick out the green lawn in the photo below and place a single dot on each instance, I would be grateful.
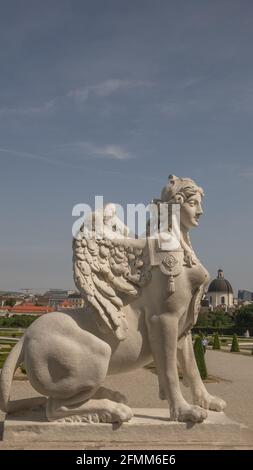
(11, 333)
(4, 349)
(2, 359)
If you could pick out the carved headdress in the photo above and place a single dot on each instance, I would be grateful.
(178, 190)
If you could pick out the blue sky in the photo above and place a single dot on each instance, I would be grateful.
(110, 97)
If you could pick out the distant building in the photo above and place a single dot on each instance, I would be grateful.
(64, 304)
(245, 295)
(42, 300)
(58, 298)
(73, 301)
(220, 292)
(55, 296)
(76, 300)
(26, 309)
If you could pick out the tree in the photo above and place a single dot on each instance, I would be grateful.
(216, 341)
(244, 316)
(221, 319)
(17, 321)
(10, 303)
(217, 319)
(235, 345)
(200, 358)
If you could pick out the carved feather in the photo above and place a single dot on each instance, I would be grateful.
(103, 287)
(108, 274)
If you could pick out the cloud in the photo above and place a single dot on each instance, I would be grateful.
(106, 88)
(85, 149)
(77, 95)
(113, 151)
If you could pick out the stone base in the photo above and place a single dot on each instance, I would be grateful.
(147, 425)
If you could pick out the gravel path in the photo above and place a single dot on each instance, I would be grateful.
(235, 373)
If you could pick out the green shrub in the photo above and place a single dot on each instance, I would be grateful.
(216, 341)
(200, 358)
(17, 321)
(235, 345)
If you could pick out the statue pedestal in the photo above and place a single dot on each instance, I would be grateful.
(148, 426)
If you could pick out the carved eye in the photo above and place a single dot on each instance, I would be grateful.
(192, 203)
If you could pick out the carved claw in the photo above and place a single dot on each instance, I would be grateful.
(187, 413)
(210, 402)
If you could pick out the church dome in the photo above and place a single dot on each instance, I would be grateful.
(220, 284)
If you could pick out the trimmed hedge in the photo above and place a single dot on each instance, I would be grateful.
(235, 345)
(200, 357)
(17, 321)
(216, 341)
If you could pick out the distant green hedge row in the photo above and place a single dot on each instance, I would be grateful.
(17, 321)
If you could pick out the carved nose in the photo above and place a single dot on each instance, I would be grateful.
(200, 210)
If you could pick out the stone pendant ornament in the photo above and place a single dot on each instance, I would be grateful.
(171, 267)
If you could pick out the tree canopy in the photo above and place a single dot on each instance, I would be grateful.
(244, 316)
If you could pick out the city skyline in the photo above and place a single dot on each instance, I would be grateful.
(109, 99)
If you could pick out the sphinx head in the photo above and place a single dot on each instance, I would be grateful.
(189, 195)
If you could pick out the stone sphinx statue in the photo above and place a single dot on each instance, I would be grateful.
(141, 302)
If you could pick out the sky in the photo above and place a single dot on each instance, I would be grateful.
(109, 98)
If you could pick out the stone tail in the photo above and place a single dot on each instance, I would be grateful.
(12, 362)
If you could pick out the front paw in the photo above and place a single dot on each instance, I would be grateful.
(210, 402)
(187, 413)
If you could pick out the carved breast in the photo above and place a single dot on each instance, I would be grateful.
(197, 275)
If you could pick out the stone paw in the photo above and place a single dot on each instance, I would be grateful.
(114, 413)
(187, 413)
(120, 413)
(210, 402)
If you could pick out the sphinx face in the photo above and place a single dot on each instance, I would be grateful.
(190, 212)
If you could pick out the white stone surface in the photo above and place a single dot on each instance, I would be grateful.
(147, 425)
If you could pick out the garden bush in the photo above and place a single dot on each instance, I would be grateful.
(235, 345)
(216, 341)
(200, 357)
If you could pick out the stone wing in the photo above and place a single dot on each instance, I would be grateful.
(109, 273)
